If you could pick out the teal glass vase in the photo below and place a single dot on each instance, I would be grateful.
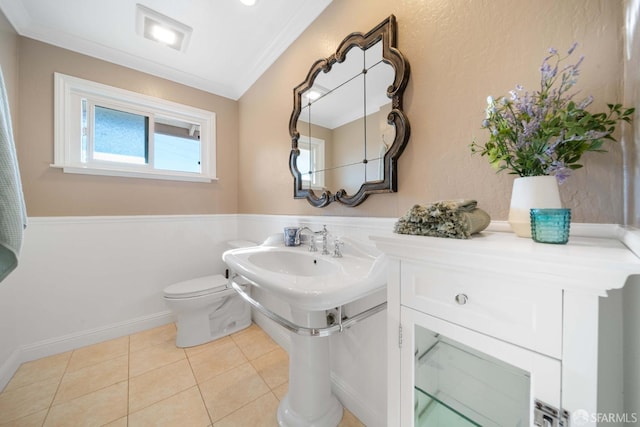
(550, 225)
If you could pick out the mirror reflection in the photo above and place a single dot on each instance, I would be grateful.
(344, 121)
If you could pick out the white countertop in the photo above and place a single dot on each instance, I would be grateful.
(587, 264)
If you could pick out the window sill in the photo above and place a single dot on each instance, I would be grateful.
(126, 173)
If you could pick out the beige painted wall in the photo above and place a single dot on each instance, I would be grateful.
(50, 192)
(350, 150)
(460, 51)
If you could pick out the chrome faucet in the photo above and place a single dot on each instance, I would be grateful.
(312, 242)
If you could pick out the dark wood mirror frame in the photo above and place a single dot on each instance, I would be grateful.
(385, 32)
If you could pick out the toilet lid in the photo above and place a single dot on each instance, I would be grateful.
(196, 287)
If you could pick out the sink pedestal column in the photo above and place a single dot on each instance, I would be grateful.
(309, 401)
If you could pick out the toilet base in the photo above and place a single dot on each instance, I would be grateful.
(208, 325)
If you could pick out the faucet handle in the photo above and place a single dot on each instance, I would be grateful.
(312, 244)
(337, 248)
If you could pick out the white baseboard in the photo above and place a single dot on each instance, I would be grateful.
(369, 416)
(9, 367)
(277, 333)
(80, 339)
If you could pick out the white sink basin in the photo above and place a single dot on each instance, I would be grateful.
(309, 280)
(292, 263)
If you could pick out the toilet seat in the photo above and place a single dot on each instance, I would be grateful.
(196, 287)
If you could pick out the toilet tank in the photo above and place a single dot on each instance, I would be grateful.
(235, 244)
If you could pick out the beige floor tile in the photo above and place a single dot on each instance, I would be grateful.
(91, 378)
(231, 390)
(273, 367)
(254, 342)
(227, 381)
(159, 384)
(262, 412)
(154, 357)
(93, 409)
(153, 337)
(281, 390)
(51, 367)
(27, 400)
(90, 355)
(183, 409)
(120, 422)
(192, 351)
(350, 420)
(217, 357)
(33, 420)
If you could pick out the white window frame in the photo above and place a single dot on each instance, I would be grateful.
(316, 153)
(69, 91)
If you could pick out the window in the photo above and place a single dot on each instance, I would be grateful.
(102, 130)
(311, 161)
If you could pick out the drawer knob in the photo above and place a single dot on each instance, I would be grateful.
(462, 299)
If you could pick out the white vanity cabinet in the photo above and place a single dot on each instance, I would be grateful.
(480, 330)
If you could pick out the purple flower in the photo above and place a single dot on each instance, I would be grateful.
(559, 170)
(572, 48)
(586, 102)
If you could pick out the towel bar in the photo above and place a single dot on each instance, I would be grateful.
(341, 324)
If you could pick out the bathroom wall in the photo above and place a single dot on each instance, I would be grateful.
(50, 192)
(459, 52)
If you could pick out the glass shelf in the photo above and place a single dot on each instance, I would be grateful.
(456, 385)
(432, 412)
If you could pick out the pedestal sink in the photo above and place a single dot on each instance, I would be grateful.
(310, 283)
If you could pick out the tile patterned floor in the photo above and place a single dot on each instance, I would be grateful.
(145, 380)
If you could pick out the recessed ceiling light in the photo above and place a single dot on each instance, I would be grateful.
(163, 34)
(314, 94)
(248, 2)
(162, 29)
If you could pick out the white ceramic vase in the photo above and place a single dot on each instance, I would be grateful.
(531, 192)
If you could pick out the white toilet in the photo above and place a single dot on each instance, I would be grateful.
(206, 308)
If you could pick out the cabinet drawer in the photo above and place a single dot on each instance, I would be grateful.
(518, 313)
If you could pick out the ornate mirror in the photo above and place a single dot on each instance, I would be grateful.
(347, 126)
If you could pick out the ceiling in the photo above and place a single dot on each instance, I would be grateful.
(230, 47)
